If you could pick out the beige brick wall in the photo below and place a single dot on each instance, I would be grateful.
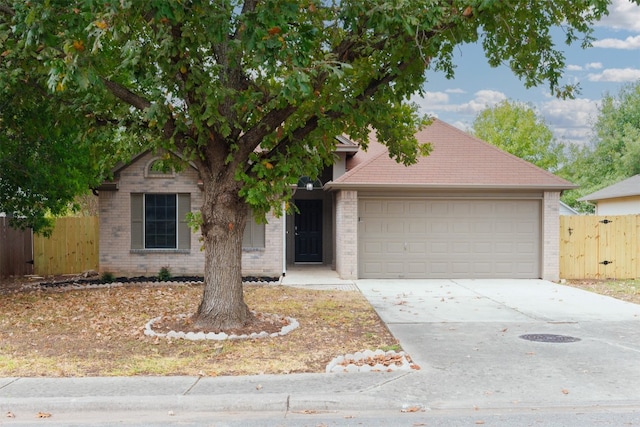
(116, 255)
(267, 261)
(347, 234)
(551, 236)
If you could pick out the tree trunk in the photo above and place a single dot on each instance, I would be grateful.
(224, 216)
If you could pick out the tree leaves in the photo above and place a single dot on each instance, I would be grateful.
(519, 130)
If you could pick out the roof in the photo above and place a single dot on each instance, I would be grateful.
(627, 188)
(565, 209)
(458, 160)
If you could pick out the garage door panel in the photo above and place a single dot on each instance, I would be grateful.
(449, 238)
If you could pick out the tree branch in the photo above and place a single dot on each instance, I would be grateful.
(126, 95)
(7, 10)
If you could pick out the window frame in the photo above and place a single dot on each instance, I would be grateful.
(139, 224)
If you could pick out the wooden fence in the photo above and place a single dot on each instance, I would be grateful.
(15, 251)
(599, 247)
(72, 248)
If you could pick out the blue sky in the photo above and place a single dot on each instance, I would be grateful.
(613, 61)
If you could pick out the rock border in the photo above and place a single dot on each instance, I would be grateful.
(221, 336)
(361, 361)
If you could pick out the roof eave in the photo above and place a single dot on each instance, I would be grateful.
(369, 186)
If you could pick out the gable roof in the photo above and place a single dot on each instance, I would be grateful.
(626, 188)
(458, 160)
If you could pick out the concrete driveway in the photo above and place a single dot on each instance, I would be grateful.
(466, 335)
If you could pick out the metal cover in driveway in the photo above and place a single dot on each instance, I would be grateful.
(549, 338)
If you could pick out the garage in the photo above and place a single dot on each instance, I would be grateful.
(449, 238)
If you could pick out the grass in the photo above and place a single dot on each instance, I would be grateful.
(99, 332)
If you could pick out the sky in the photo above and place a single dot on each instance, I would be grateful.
(612, 62)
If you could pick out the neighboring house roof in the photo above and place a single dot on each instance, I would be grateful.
(458, 160)
(627, 188)
(565, 209)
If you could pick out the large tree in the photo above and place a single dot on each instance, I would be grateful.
(614, 152)
(253, 91)
(516, 128)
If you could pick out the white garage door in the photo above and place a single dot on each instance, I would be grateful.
(400, 238)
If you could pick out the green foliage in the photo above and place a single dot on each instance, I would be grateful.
(614, 153)
(516, 128)
(107, 277)
(216, 80)
(164, 274)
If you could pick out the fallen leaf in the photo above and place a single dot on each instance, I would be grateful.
(171, 413)
(10, 415)
(411, 409)
(479, 422)
(43, 415)
(419, 424)
(259, 387)
(565, 391)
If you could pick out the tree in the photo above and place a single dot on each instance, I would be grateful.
(253, 91)
(516, 128)
(614, 152)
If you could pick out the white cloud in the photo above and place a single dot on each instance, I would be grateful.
(593, 66)
(572, 67)
(623, 15)
(630, 43)
(432, 102)
(617, 75)
(570, 119)
(456, 91)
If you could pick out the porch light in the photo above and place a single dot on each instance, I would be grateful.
(309, 184)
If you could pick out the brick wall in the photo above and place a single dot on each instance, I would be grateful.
(551, 236)
(347, 234)
(116, 255)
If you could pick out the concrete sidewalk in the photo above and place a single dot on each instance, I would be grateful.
(464, 334)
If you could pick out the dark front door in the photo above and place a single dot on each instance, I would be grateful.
(308, 231)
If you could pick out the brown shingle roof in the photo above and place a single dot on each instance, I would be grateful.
(458, 160)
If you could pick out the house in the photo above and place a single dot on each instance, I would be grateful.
(469, 210)
(565, 209)
(622, 198)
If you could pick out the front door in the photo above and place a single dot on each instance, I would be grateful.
(308, 231)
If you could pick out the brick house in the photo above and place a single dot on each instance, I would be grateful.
(469, 210)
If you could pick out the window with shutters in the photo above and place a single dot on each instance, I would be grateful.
(158, 221)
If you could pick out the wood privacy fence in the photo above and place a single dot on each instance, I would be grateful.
(72, 248)
(599, 247)
(15, 250)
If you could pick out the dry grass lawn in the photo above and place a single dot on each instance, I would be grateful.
(99, 332)
(626, 290)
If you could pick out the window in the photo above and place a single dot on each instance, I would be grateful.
(158, 221)
(160, 225)
(253, 233)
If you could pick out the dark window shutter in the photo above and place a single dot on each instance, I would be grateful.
(137, 221)
(184, 232)
(253, 233)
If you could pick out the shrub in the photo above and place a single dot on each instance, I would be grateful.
(107, 277)
(164, 274)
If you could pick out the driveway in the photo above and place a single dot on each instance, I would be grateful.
(466, 336)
